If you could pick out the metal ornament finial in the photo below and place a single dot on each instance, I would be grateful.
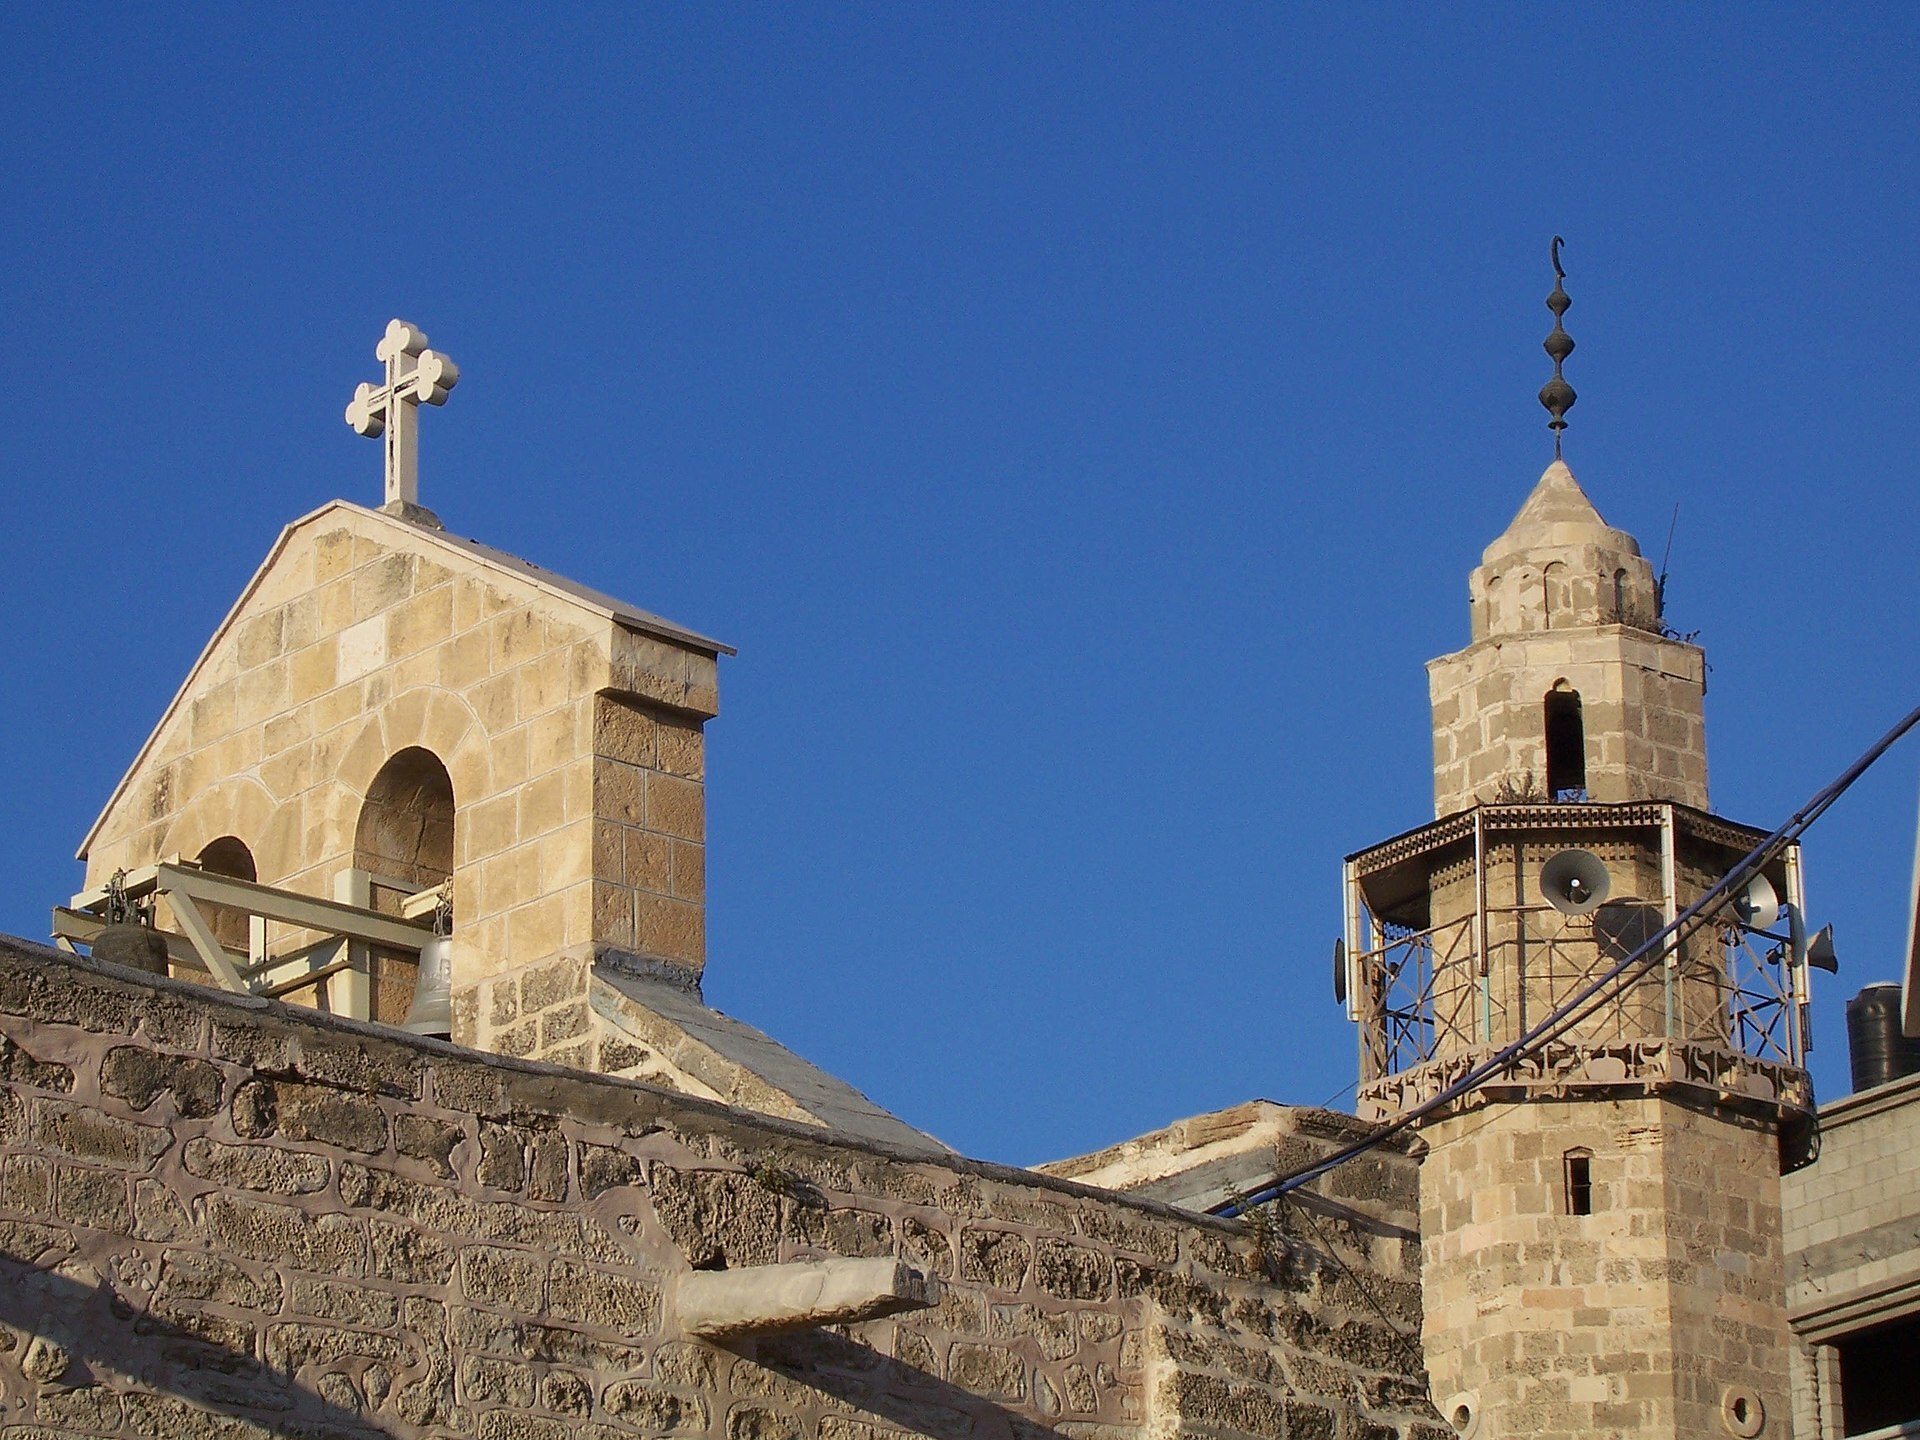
(1557, 395)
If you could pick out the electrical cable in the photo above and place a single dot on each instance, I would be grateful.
(1409, 1339)
(1574, 1008)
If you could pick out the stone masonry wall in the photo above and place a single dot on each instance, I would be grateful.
(1657, 1314)
(224, 1217)
(573, 743)
(1641, 702)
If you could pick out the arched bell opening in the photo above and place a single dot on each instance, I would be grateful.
(1566, 745)
(404, 842)
(228, 856)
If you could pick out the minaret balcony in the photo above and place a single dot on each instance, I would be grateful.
(1463, 938)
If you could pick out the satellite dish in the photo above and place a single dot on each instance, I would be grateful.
(1575, 882)
(1340, 971)
(1757, 907)
(1820, 951)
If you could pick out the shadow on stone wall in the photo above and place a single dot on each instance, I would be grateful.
(898, 1392)
(92, 1359)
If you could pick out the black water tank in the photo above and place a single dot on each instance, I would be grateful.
(1879, 1051)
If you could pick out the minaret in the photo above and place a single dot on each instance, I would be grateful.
(1601, 1220)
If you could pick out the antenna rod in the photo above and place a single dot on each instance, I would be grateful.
(1660, 585)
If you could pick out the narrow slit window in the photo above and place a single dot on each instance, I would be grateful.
(1579, 1182)
(1566, 746)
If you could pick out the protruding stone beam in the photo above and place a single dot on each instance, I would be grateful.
(761, 1299)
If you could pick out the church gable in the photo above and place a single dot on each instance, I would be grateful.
(389, 700)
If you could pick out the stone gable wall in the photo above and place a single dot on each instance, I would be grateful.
(574, 747)
(224, 1217)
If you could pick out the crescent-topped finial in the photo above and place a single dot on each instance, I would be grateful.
(1557, 395)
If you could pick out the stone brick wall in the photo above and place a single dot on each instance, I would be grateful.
(1642, 703)
(1649, 1316)
(220, 1216)
(1852, 1238)
(1563, 601)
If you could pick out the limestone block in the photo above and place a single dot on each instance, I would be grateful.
(362, 649)
(762, 1299)
(676, 807)
(542, 805)
(259, 640)
(647, 861)
(553, 740)
(537, 928)
(670, 929)
(620, 792)
(385, 581)
(624, 731)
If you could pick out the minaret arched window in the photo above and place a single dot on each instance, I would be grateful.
(1566, 745)
(1579, 1180)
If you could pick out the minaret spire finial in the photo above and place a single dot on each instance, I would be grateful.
(1557, 395)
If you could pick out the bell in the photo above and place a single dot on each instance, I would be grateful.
(432, 1010)
(132, 944)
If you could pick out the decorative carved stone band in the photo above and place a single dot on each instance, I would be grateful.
(1723, 1075)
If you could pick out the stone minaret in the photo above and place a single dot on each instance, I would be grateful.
(1600, 1221)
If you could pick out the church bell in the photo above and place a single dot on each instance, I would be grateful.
(432, 1009)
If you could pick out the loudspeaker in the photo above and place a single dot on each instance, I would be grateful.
(1623, 926)
(1820, 951)
(1574, 882)
(1340, 971)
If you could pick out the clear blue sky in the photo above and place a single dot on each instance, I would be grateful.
(1083, 419)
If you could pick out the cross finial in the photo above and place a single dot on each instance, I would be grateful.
(1557, 395)
(414, 373)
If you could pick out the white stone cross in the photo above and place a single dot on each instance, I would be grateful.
(414, 373)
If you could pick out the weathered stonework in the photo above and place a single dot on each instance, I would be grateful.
(1641, 1318)
(1600, 1215)
(222, 1216)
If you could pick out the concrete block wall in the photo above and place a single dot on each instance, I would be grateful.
(222, 1216)
(1852, 1238)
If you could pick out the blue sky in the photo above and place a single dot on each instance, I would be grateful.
(1083, 419)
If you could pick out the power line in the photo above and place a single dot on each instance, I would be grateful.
(1576, 1007)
